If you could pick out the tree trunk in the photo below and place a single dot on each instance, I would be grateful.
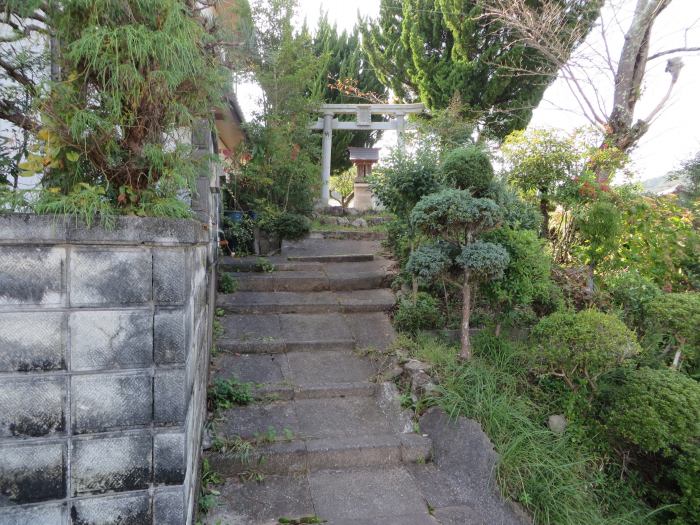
(497, 331)
(544, 210)
(414, 282)
(466, 352)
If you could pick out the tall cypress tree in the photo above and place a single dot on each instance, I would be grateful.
(343, 58)
(432, 50)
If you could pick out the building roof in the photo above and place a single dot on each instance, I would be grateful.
(371, 154)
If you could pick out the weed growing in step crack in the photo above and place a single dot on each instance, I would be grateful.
(226, 393)
(207, 494)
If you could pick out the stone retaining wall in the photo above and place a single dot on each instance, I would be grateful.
(104, 352)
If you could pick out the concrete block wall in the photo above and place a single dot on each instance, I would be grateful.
(104, 350)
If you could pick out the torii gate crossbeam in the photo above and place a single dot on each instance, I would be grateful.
(363, 122)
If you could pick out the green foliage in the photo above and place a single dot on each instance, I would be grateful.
(658, 239)
(240, 235)
(404, 178)
(527, 279)
(686, 474)
(225, 393)
(581, 346)
(432, 49)
(291, 226)
(631, 292)
(429, 261)
(85, 203)
(344, 60)
(467, 168)
(600, 226)
(484, 260)
(279, 161)
(673, 319)
(129, 84)
(541, 159)
(657, 410)
(454, 214)
(227, 283)
(344, 185)
(425, 314)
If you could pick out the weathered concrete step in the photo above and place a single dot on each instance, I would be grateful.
(300, 375)
(279, 264)
(359, 257)
(275, 333)
(310, 281)
(355, 235)
(355, 496)
(305, 455)
(316, 245)
(377, 300)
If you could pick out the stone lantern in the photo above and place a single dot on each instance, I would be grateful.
(363, 159)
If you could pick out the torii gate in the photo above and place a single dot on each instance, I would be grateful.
(363, 122)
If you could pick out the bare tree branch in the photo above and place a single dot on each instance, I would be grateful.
(673, 52)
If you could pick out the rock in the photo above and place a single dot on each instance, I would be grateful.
(376, 221)
(343, 221)
(419, 380)
(328, 220)
(413, 365)
(206, 440)
(557, 423)
(359, 223)
(353, 212)
(392, 373)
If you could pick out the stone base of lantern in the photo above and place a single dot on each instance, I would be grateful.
(363, 197)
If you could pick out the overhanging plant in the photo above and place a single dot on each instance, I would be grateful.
(135, 76)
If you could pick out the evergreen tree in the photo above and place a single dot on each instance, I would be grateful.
(343, 59)
(430, 50)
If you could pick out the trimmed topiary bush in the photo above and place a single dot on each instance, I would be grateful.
(580, 347)
(423, 315)
(467, 168)
(656, 410)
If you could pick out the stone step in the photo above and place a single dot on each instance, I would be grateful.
(279, 263)
(355, 496)
(298, 456)
(317, 245)
(376, 300)
(311, 281)
(300, 375)
(275, 333)
(355, 235)
(351, 257)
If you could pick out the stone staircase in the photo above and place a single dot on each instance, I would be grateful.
(323, 438)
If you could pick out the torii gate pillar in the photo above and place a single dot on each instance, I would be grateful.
(327, 143)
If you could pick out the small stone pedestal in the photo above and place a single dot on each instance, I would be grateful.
(363, 197)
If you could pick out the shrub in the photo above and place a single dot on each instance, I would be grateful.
(423, 315)
(632, 292)
(674, 319)
(240, 235)
(291, 226)
(686, 474)
(129, 83)
(657, 410)
(467, 168)
(580, 347)
(527, 278)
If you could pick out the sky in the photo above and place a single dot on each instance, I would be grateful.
(673, 137)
